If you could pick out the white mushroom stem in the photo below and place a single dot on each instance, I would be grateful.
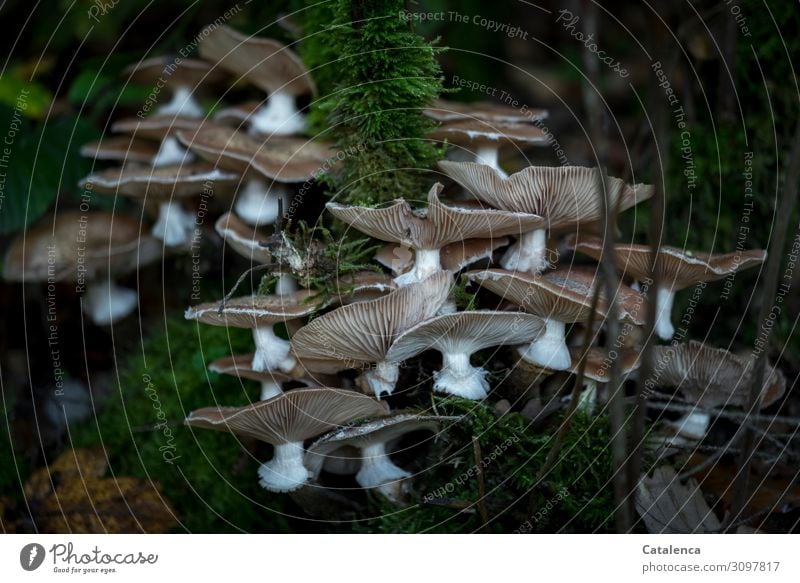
(257, 204)
(490, 155)
(664, 300)
(272, 352)
(458, 377)
(285, 471)
(174, 225)
(377, 468)
(550, 349)
(105, 302)
(270, 388)
(426, 262)
(382, 378)
(529, 254)
(285, 285)
(692, 425)
(171, 152)
(183, 103)
(278, 117)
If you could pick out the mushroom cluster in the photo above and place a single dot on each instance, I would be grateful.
(356, 355)
(338, 371)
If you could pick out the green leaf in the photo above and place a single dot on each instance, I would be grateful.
(101, 91)
(39, 163)
(28, 97)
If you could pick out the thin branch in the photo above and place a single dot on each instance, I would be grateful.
(476, 450)
(610, 280)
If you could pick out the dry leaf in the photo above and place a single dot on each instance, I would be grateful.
(71, 495)
(669, 507)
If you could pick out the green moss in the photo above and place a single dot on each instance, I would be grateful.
(209, 477)
(574, 496)
(384, 75)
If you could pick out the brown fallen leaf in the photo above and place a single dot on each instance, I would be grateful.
(71, 495)
(669, 507)
(768, 493)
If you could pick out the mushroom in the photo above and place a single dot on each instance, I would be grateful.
(677, 270)
(260, 314)
(283, 161)
(597, 371)
(371, 438)
(360, 334)
(361, 286)
(559, 297)
(243, 238)
(89, 249)
(449, 111)
(271, 380)
(236, 114)
(183, 77)
(286, 421)
(426, 231)
(564, 196)
(247, 241)
(454, 257)
(163, 129)
(121, 149)
(174, 225)
(457, 336)
(271, 66)
(488, 137)
(710, 377)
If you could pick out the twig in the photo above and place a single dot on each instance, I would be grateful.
(784, 211)
(476, 450)
(239, 281)
(656, 231)
(610, 278)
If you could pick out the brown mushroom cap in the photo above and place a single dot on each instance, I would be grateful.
(293, 416)
(121, 149)
(598, 368)
(173, 72)
(457, 256)
(564, 195)
(164, 182)
(361, 333)
(99, 242)
(282, 159)
(436, 226)
(466, 332)
(476, 132)
(265, 62)
(361, 286)
(448, 111)
(237, 114)
(678, 269)
(379, 430)
(243, 238)
(159, 126)
(255, 311)
(240, 365)
(564, 295)
(454, 257)
(713, 377)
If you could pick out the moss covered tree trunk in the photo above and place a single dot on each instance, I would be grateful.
(376, 76)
